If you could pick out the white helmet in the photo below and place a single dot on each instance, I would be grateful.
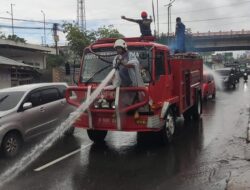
(121, 43)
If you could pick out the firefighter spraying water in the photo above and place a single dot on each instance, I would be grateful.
(127, 67)
(172, 87)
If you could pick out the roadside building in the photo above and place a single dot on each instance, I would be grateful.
(29, 54)
(14, 73)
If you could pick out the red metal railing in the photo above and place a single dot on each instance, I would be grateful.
(81, 95)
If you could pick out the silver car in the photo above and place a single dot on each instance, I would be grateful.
(30, 110)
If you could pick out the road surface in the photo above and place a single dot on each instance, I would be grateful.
(208, 154)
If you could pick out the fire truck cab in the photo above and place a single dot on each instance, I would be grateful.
(172, 88)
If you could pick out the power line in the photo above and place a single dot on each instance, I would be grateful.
(26, 20)
(24, 27)
(210, 8)
(199, 20)
(214, 19)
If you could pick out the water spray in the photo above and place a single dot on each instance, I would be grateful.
(218, 81)
(14, 170)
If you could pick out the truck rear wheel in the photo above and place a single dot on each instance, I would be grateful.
(97, 136)
(168, 131)
(187, 115)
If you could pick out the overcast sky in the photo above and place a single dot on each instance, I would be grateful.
(199, 15)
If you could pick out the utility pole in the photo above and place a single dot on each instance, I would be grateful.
(81, 15)
(169, 16)
(158, 25)
(56, 37)
(42, 40)
(44, 32)
(12, 19)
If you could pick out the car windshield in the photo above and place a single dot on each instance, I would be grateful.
(95, 69)
(223, 72)
(9, 100)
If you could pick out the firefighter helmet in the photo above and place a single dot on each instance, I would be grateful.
(144, 14)
(121, 43)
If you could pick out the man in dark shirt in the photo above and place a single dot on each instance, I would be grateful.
(180, 36)
(144, 23)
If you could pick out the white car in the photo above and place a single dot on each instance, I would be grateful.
(31, 110)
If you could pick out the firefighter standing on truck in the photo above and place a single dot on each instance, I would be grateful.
(144, 23)
(180, 36)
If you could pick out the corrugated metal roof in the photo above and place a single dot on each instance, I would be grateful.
(27, 46)
(11, 62)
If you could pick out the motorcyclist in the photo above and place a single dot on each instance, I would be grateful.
(245, 75)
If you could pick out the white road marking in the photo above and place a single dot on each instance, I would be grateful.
(61, 158)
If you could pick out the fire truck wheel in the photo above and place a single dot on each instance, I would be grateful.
(168, 131)
(187, 115)
(197, 109)
(97, 136)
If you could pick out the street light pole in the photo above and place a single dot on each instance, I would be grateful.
(44, 32)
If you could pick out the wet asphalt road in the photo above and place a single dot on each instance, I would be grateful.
(204, 155)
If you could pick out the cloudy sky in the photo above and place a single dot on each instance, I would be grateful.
(199, 15)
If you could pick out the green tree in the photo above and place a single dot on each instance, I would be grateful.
(108, 32)
(55, 61)
(78, 40)
(15, 38)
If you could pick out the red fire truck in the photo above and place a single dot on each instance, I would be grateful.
(172, 88)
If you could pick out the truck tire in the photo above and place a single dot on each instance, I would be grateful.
(11, 144)
(197, 108)
(97, 136)
(187, 115)
(168, 131)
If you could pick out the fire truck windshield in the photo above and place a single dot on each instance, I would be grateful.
(96, 68)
